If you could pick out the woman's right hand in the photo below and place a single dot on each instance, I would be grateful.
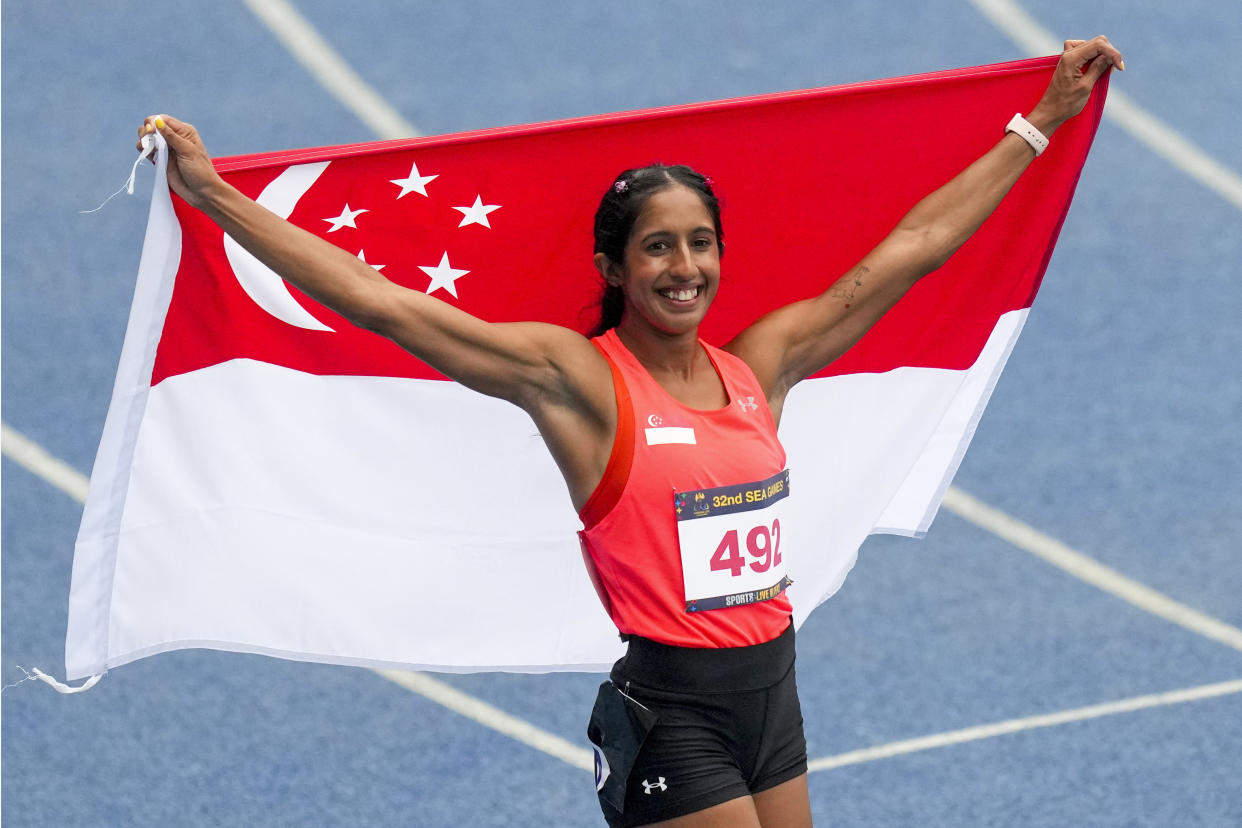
(191, 174)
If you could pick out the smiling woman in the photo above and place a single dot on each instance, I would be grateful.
(619, 210)
(699, 722)
(672, 253)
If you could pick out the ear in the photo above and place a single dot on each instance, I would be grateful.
(607, 268)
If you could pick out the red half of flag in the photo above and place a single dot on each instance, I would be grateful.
(809, 182)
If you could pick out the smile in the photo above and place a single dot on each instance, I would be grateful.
(681, 294)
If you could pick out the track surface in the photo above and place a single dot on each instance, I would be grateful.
(1114, 430)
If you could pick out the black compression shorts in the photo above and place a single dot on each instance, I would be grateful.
(695, 728)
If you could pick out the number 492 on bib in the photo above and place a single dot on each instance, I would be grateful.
(731, 543)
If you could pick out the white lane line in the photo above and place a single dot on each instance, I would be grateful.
(1144, 127)
(29, 454)
(493, 717)
(1084, 568)
(972, 734)
(330, 69)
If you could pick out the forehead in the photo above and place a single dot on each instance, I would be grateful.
(673, 208)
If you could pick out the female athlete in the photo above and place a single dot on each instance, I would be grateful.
(699, 723)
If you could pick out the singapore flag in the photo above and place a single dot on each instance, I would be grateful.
(274, 480)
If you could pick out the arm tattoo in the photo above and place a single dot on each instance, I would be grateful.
(848, 284)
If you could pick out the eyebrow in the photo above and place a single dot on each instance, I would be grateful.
(658, 233)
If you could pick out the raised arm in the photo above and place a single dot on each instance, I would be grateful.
(501, 360)
(553, 373)
(793, 342)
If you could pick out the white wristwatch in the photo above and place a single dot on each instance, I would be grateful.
(1022, 127)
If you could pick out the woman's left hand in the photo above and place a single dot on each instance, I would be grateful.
(1082, 63)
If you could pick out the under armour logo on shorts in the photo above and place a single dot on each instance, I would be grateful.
(648, 787)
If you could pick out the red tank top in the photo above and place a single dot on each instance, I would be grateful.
(663, 447)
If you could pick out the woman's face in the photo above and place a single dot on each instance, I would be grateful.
(672, 262)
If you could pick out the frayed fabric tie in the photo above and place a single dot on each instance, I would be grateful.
(148, 148)
(59, 687)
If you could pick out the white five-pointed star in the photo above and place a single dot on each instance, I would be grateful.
(362, 258)
(443, 275)
(476, 213)
(345, 219)
(414, 182)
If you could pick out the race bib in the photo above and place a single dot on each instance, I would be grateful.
(730, 541)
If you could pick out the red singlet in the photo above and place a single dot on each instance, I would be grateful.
(631, 533)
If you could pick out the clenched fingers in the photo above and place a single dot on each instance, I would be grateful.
(1097, 51)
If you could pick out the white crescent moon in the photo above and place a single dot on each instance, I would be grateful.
(258, 280)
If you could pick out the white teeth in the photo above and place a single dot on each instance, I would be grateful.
(684, 295)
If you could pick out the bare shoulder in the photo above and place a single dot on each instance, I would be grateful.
(562, 347)
(572, 373)
(762, 346)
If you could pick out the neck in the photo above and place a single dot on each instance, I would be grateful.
(660, 352)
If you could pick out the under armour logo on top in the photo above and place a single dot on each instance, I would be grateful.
(748, 404)
(648, 787)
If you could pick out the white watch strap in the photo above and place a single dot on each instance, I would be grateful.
(1022, 127)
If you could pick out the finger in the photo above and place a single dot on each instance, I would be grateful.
(1072, 44)
(1110, 51)
(1088, 49)
(1097, 68)
(1087, 52)
(177, 124)
(174, 131)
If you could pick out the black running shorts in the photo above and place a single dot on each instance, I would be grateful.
(679, 729)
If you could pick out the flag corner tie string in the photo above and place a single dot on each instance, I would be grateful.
(60, 687)
(149, 146)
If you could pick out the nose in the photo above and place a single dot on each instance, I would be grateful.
(682, 264)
